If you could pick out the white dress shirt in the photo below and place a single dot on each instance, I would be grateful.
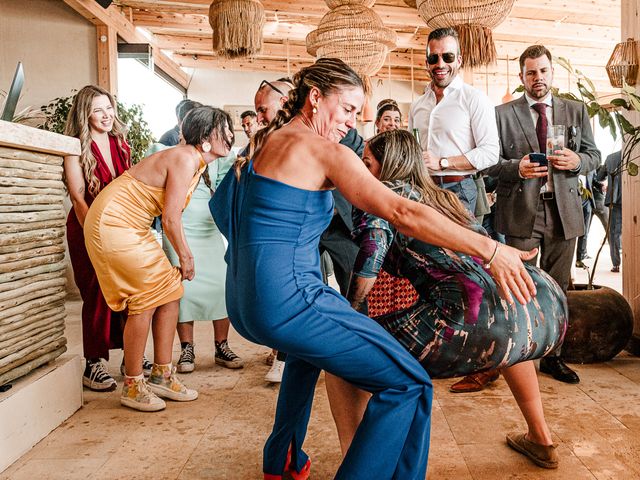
(548, 186)
(463, 123)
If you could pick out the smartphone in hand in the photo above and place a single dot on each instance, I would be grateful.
(539, 158)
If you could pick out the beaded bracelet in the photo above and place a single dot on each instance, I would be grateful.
(493, 257)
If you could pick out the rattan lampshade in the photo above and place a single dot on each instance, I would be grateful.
(355, 34)
(623, 63)
(337, 3)
(237, 27)
(473, 20)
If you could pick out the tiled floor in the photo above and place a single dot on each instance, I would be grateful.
(220, 436)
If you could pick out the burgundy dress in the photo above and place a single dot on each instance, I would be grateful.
(101, 326)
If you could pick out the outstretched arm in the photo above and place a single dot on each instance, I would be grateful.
(364, 191)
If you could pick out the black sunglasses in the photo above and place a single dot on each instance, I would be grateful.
(448, 57)
(272, 86)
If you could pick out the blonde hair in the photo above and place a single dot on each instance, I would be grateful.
(326, 74)
(400, 158)
(78, 126)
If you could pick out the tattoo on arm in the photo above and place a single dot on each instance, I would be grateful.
(358, 290)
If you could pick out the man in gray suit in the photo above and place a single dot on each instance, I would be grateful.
(540, 206)
(613, 200)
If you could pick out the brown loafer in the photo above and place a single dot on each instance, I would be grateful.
(544, 456)
(475, 382)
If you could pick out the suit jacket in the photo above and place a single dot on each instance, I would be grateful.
(354, 141)
(614, 184)
(517, 198)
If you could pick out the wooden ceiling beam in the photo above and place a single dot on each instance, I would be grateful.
(112, 17)
(598, 13)
(295, 51)
(510, 30)
(279, 65)
(201, 45)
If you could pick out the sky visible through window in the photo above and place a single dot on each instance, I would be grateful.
(137, 84)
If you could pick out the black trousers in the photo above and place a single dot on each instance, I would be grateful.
(336, 241)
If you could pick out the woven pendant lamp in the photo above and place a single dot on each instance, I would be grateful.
(354, 33)
(623, 63)
(237, 27)
(473, 20)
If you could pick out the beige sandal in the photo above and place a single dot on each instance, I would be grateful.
(544, 456)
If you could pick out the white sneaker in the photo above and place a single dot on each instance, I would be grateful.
(164, 383)
(136, 395)
(274, 375)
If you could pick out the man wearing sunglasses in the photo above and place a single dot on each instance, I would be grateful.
(270, 98)
(538, 202)
(456, 122)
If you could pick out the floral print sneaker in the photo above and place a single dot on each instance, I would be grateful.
(164, 383)
(136, 395)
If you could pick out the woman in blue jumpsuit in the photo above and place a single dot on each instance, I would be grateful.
(272, 211)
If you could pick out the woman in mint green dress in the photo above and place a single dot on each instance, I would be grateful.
(204, 296)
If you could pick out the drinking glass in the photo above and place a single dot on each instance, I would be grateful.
(555, 138)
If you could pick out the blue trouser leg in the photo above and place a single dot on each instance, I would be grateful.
(292, 416)
(466, 191)
(393, 438)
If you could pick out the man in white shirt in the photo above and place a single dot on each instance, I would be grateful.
(455, 121)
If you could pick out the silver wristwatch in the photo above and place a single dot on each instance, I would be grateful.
(444, 163)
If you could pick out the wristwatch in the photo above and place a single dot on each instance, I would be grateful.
(444, 163)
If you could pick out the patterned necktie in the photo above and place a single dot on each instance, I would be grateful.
(541, 125)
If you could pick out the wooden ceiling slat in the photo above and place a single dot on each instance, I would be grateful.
(598, 13)
(583, 33)
(512, 29)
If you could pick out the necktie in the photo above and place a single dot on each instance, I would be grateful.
(541, 125)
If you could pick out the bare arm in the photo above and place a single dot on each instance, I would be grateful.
(419, 221)
(179, 176)
(75, 183)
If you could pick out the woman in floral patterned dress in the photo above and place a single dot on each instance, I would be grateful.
(460, 323)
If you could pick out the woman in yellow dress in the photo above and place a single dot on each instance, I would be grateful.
(133, 271)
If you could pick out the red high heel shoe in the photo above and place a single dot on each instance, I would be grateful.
(289, 474)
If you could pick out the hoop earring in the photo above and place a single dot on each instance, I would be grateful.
(206, 147)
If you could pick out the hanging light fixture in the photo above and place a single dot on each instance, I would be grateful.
(473, 20)
(507, 96)
(623, 63)
(354, 33)
(237, 27)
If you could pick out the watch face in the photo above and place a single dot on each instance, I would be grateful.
(444, 163)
